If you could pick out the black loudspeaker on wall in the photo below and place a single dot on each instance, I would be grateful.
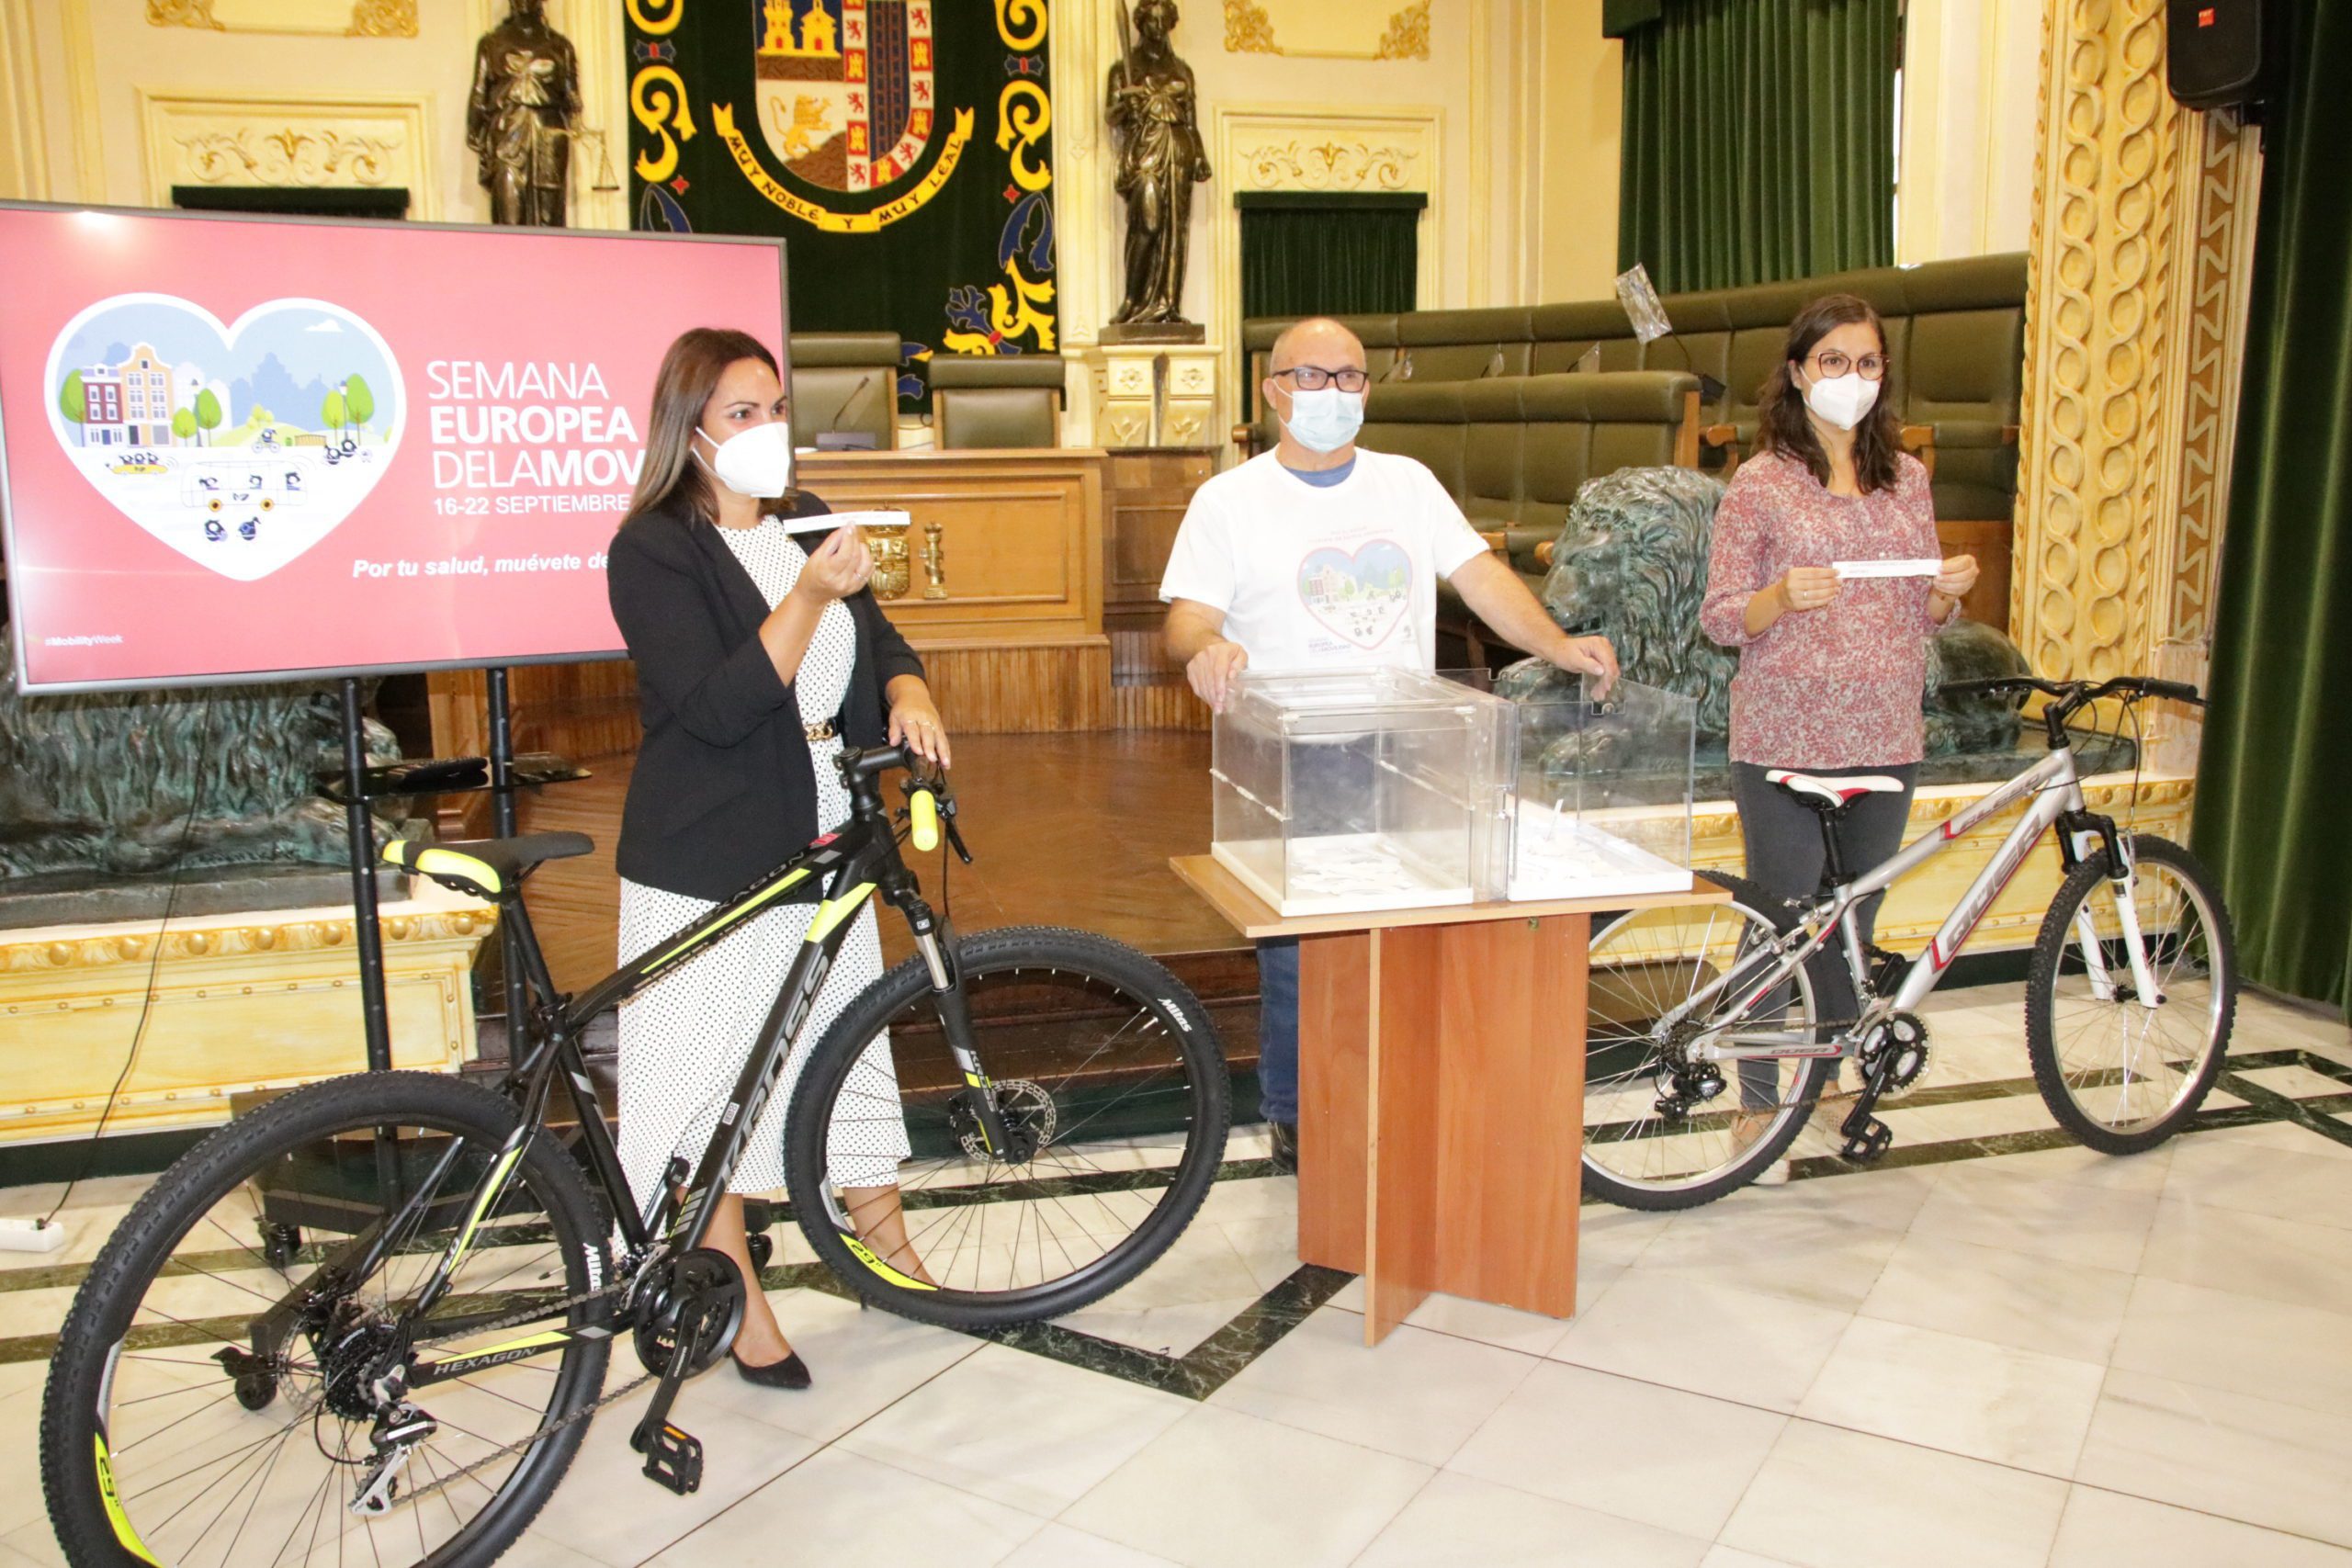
(2218, 50)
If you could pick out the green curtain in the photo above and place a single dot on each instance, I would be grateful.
(2273, 780)
(1758, 141)
(1328, 255)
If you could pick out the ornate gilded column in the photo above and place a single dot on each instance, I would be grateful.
(2142, 223)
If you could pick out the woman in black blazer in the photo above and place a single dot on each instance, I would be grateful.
(759, 653)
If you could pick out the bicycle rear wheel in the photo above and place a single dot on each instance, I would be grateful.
(1661, 1130)
(185, 1421)
(1101, 1060)
(2122, 1076)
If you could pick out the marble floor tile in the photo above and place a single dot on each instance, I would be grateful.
(1254, 1198)
(2254, 1254)
(1830, 1498)
(1267, 1248)
(2107, 1529)
(847, 1511)
(2296, 1082)
(1460, 1522)
(2244, 1456)
(1660, 1456)
(1059, 1546)
(1883, 1200)
(2287, 1136)
(35, 1544)
(608, 1512)
(1705, 1339)
(1965, 1396)
(1197, 1286)
(1798, 1252)
(1608, 1234)
(2088, 1166)
(1419, 1395)
(1224, 1490)
(2220, 1339)
(2286, 1185)
(1017, 1428)
(2021, 1299)
(1722, 1556)
(861, 1362)
(2066, 1220)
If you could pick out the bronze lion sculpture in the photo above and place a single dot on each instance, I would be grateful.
(145, 785)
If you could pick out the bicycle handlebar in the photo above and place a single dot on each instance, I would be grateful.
(2077, 693)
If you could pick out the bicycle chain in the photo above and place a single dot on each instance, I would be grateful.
(514, 1320)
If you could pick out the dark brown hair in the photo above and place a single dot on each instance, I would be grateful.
(1781, 425)
(681, 387)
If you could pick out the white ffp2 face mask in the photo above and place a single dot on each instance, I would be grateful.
(1326, 419)
(1842, 400)
(755, 462)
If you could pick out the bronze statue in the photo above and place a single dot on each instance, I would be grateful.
(1150, 113)
(526, 99)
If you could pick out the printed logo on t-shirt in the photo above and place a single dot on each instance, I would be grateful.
(1364, 596)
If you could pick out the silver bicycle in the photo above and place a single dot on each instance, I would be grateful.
(1707, 1047)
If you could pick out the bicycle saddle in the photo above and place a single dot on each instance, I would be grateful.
(1831, 795)
(486, 868)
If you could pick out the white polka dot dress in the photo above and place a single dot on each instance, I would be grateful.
(684, 1038)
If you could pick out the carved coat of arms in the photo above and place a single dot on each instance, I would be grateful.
(845, 88)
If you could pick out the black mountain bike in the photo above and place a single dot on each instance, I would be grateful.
(371, 1321)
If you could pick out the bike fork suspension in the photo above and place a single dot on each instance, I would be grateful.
(956, 1018)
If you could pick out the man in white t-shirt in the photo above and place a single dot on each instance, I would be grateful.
(1320, 555)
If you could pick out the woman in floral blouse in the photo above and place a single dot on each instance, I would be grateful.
(1830, 667)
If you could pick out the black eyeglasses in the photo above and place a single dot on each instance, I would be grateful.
(1829, 364)
(1314, 378)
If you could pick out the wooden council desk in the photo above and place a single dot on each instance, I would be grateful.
(1440, 1107)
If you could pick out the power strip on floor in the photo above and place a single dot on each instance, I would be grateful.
(30, 1235)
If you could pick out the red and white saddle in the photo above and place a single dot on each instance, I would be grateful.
(1838, 791)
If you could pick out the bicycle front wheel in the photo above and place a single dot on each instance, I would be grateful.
(1662, 1128)
(1106, 1071)
(2120, 1070)
(216, 1392)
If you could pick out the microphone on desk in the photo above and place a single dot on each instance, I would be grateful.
(834, 439)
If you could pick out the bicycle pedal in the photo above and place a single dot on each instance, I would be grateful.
(1867, 1142)
(672, 1457)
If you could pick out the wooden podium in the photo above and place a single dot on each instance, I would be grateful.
(1442, 1071)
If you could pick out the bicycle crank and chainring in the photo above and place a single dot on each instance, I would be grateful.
(1901, 1043)
(691, 1306)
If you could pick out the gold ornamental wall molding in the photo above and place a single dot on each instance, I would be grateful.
(1249, 31)
(2219, 267)
(2142, 228)
(328, 934)
(1334, 165)
(358, 18)
(343, 141)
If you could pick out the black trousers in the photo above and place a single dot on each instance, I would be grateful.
(1786, 856)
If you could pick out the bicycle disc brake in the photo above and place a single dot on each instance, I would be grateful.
(1029, 1116)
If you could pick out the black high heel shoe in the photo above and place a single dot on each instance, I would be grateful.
(791, 1373)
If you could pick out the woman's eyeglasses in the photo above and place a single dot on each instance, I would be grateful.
(1829, 364)
(1314, 378)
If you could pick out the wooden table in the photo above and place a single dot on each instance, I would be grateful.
(1442, 1071)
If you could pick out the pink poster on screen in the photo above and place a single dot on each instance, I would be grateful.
(235, 448)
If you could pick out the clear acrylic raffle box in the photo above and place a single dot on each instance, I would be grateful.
(1342, 792)
(1598, 789)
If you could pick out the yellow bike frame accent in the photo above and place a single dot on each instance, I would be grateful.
(764, 895)
(834, 911)
(864, 1254)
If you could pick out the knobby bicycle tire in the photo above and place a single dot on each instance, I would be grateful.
(77, 1477)
(1124, 970)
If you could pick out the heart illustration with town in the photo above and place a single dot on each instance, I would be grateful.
(239, 447)
(1360, 596)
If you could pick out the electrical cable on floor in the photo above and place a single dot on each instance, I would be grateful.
(154, 964)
